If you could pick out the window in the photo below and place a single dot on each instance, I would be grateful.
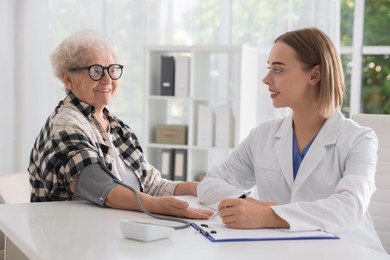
(32, 29)
(365, 53)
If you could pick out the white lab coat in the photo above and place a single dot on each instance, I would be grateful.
(333, 187)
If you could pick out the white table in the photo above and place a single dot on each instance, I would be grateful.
(80, 230)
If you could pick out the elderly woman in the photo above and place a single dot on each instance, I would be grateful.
(83, 151)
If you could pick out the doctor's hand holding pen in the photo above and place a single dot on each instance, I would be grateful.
(249, 213)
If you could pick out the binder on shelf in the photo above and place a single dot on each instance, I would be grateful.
(180, 162)
(167, 163)
(224, 126)
(205, 127)
(182, 76)
(167, 76)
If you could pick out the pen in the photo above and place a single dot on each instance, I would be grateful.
(243, 196)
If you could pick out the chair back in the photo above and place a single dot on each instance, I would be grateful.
(14, 188)
(380, 203)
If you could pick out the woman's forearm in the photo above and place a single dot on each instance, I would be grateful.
(186, 188)
(123, 198)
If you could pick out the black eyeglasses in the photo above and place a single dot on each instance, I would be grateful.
(96, 71)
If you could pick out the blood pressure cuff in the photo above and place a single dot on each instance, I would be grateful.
(94, 183)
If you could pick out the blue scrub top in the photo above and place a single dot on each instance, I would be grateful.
(298, 158)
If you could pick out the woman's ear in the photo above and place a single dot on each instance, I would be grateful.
(315, 75)
(66, 78)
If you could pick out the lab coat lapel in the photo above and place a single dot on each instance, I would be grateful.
(283, 148)
(310, 162)
(327, 136)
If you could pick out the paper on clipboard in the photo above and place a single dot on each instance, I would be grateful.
(217, 232)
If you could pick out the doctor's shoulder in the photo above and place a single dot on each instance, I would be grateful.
(266, 129)
(263, 136)
(352, 133)
(270, 126)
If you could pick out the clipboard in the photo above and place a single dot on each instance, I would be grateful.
(217, 232)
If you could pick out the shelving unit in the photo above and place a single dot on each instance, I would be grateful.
(219, 75)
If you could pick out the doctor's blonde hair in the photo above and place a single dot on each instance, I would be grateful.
(313, 47)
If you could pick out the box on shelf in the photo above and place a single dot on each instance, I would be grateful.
(171, 134)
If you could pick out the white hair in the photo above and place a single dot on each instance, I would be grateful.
(73, 51)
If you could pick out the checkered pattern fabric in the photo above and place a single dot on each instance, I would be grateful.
(72, 138)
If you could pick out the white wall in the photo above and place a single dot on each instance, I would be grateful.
(32, 29)
(32, 86)
(7, 86)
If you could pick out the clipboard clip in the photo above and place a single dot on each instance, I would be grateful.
(203, 229)
(199, 229)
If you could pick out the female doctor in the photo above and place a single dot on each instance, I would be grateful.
(313, 169)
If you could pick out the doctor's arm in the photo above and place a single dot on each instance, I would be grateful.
(343, 210)
(229, 179)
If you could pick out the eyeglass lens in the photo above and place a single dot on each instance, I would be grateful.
(96, 72)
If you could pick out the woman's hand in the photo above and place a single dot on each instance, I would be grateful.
(249, 213)
(172, 206)
(123, 198)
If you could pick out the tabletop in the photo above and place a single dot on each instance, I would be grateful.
(81, 230)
